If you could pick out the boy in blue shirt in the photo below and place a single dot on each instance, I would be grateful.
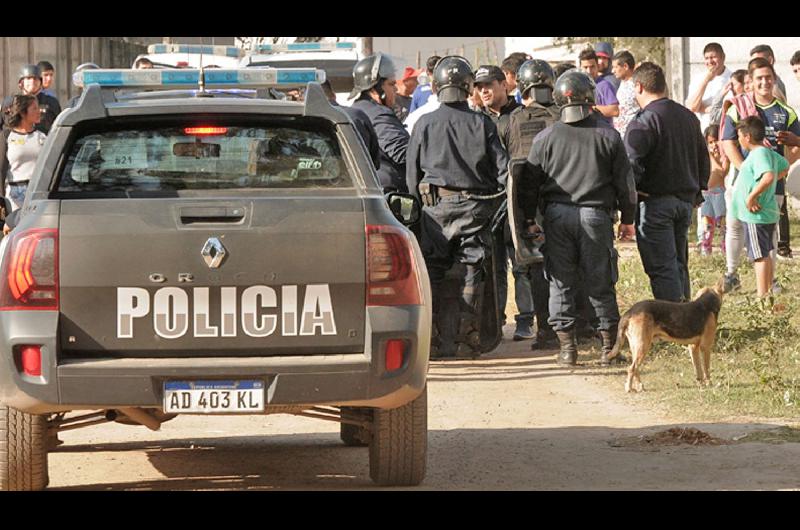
(754, 202)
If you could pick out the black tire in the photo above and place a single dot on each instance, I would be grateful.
(398, 451)
(354, 435)
(23, 451)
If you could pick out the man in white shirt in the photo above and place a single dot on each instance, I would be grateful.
(702, 90)
(429, 106)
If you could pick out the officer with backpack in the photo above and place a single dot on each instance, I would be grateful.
(535, 80)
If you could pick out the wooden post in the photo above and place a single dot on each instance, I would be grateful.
(419, 58)
(367, 45)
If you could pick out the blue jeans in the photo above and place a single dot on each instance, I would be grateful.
(579, 244)
(523, 287)
(662, 227)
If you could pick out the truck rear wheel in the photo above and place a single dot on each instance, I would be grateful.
(23, 451)
(398, 450)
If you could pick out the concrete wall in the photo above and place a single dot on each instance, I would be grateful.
(414, 51)
(65, 53)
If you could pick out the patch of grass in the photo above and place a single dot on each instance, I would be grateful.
(755, 364)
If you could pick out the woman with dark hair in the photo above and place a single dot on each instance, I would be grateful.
(20, 145)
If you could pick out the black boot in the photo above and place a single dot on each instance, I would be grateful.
(569, 348)
(609, 339)
(545, 339)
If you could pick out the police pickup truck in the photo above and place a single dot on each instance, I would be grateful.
(190, 245)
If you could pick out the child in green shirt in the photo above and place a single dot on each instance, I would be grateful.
(754, 202)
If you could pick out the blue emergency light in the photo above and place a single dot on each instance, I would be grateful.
(305, 47)
(190, 78)
(196, 49)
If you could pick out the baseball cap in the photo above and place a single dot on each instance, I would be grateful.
(604, 49)
(489, 73)
(410, 72)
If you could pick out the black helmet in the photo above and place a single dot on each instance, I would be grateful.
(453, 79)
(30, 70)
(369, 71)
(535, 73)
(574, 95)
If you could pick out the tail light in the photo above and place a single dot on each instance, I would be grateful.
(31, 357)
(391, 269)
(395, 354)
(29, 273)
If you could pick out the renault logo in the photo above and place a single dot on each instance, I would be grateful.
(213, 252)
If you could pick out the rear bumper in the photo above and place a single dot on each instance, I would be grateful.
(358, 379)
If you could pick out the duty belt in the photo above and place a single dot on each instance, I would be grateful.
(471, 194)
(19, 183)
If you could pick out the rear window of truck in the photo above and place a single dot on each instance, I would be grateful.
(204, 156)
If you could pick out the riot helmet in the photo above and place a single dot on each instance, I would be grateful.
(574, 95)
(369, 71)
(30, 70)
(453, 79)
(539, 76)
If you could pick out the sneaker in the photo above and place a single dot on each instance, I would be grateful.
(784, 254)
(731, 283)
(777, 288)
(523, 331)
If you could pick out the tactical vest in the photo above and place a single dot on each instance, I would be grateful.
(525, 124)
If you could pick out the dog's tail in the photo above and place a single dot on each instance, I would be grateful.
(621, 336)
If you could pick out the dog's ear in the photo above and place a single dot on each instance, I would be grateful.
(720, 286)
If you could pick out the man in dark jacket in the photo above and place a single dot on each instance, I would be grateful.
(374, 84)
(670, 162)
(456, 165)
(361, 121)
(30, 82)
(585, 176)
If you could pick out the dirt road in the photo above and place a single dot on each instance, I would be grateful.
(511, 420)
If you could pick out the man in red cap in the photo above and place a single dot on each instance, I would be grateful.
(405, 88)
(605, 53)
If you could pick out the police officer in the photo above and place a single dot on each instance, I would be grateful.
(361, 122)
(535, 80)
(584, 174)
(456, 164)
(374, 84)
(80, 68)
(30, 83)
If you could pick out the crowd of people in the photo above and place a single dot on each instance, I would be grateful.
(595, 143)
(602, 143)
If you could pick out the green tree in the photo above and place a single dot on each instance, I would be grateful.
(643, 48)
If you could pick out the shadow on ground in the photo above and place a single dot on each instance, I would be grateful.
(569, 458)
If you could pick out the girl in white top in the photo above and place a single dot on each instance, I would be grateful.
(20, 146)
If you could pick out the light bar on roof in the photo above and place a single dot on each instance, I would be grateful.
(196, 49)
(305, 47)
(190, 78)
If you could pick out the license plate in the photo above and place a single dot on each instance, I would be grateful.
(209, 397)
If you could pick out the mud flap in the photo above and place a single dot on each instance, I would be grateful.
(526, 248)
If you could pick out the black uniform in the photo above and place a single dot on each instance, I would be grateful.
(585, 175)
(503, 119)
(47, 104)
(365, 130)
(457, 151)
(393, 142)
(532, 288)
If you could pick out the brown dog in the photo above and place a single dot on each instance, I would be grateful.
(693, 323)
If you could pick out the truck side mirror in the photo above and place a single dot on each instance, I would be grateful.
(405, 207)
